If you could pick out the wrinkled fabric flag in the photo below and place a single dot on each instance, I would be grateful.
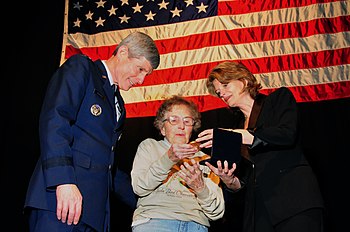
(303, 45)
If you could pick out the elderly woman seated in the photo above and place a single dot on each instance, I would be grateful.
(175, 192)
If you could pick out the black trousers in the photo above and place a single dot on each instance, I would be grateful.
(310, 220)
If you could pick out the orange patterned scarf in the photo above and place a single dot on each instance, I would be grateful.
(176, 167)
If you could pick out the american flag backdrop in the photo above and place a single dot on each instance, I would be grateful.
(303, 45)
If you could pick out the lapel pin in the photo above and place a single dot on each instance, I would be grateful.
(96, 110)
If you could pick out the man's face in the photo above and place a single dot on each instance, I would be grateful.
(131, 71)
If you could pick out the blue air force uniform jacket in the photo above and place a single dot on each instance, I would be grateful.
(78, 132)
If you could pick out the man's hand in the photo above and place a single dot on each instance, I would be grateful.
(69, 203)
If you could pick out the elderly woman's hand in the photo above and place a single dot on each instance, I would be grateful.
(177, 152)
(192, 175)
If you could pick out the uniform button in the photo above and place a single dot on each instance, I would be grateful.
(110, 167)
(113, 148)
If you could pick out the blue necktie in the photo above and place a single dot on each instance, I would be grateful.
(119, 100)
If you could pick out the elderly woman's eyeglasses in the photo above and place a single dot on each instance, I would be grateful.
(175, 120)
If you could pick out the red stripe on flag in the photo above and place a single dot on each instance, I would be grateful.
(319, 92)
(244, 7)
(102, 52)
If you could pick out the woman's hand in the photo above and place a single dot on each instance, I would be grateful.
(192, 175)
(226, 175)
(178, 152)
(247, 138)
(205, 138)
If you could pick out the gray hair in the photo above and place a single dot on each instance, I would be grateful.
(168, 105)
(141, 45)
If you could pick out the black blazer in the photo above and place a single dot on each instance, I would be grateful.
(286, 181)
(278, 168)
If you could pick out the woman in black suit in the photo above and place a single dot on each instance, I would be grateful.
(281, 190)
